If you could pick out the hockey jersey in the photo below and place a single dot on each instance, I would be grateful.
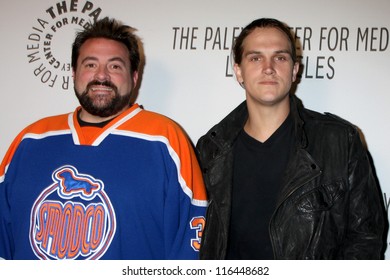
(133, 190)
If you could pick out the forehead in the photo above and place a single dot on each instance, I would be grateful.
(266, 37)
(103, 48)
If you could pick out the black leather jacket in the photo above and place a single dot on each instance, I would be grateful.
(329, 206)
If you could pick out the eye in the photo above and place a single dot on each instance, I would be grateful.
(281, 58)
(255, 58)
(116, 66)
(90, 65)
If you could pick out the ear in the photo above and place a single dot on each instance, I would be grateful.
(295, 71)
(237, 72)
(135, 78)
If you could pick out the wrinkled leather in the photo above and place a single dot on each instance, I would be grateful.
(329, 206)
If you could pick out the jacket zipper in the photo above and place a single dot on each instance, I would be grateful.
(280, 204)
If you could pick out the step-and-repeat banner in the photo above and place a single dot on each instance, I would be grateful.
(345, 49)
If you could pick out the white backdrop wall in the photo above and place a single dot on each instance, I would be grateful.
(187, 76)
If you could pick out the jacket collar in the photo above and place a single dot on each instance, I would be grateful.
(226, 131)
(297, 110)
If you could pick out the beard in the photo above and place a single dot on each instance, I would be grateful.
(103, 106)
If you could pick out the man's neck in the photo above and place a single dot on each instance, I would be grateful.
(83, 123)
(86, 117)
(264, 121)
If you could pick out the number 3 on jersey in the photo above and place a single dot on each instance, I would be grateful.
(198, 224)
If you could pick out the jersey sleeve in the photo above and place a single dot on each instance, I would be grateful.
(6, 237)
(186, 201)
(8, 167)
(5, 224)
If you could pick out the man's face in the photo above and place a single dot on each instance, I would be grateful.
(102, 80)
(266, 69)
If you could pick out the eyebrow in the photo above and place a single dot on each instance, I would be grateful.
(93, 58)
(283, 51)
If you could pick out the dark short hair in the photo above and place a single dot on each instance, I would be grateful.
(109, 29)
(238, 47)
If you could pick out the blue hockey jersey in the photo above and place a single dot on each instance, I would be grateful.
(132, 190)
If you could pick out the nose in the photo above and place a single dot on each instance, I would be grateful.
(102, 73)
(269, 67)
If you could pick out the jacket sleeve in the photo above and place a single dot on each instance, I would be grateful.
(364, 237)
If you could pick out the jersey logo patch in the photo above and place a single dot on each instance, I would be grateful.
(73, 218)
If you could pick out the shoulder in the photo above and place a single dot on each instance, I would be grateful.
(327, 119)
(319, 119)
(224, 132)
(155, 117)
(36, 130)
(157, 120)
(330, 126)
(50, 123)
(155, 125)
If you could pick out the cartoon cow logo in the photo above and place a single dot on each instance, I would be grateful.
(73, 218)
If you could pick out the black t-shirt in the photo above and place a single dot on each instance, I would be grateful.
(83, 123)
(257, 178)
